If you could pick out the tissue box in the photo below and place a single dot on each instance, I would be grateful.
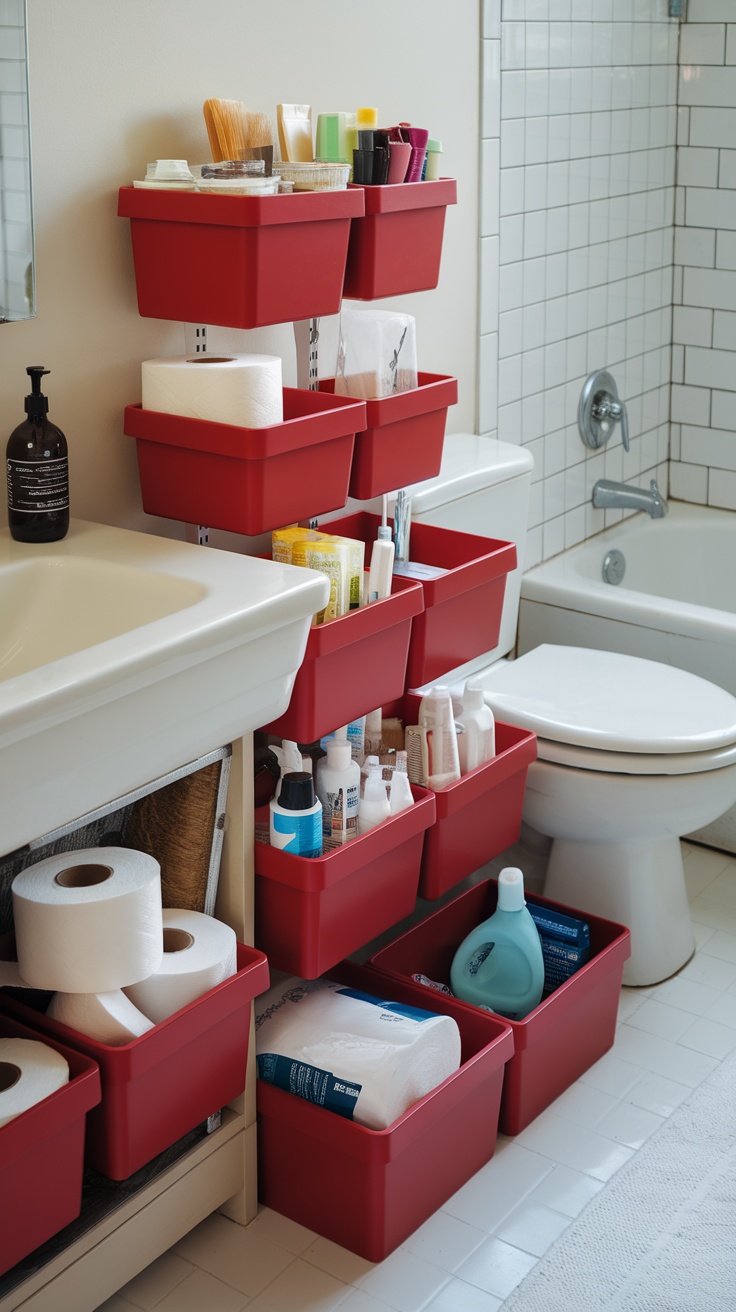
(368, 1190)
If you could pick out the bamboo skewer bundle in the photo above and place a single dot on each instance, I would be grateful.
(234, 133)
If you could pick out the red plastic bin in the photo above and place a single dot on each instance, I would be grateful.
(479, 815)
(352, 664)
(562, 1037)
(159, 1087)
(397, 246)
(403, 437)
(239, 261)
(42, 1154)
(368, 1190)
(462, 608)
(313, 911)
(248, 480)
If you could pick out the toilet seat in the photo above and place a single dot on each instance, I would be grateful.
(580, 702)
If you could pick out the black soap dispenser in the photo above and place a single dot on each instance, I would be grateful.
(38, 471)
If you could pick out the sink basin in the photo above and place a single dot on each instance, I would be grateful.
(124, 656)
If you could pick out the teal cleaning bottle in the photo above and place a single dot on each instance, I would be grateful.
(499, 965)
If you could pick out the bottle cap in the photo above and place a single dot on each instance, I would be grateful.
(36, 404)
(473, 698)
(339, 753)
(384, 533)
(511, 889)
(297, 791)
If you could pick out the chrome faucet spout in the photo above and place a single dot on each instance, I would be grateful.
(608, 495)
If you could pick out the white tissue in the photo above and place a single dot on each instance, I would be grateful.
(240, 389)
(376, 353)
(199, 952)
(366, 1059)
(29, 1072)
(108, 1018)
(88, 921)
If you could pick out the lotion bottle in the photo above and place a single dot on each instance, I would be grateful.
(400, 794)
(380, 576)
(338, 789)
(499, 965)
(296, 816)
(38, 471)
(374, 804)
(477, 742)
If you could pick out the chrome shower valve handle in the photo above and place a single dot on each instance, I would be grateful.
(600, 409)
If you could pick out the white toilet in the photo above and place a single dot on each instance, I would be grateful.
(631, 753)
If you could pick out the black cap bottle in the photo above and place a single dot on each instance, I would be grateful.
(38, 471)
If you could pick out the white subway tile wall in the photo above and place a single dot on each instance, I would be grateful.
(703, 469)
(580, 127)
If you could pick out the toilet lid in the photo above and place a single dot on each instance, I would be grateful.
(611, 702)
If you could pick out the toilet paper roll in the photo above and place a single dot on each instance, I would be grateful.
(365, 1058)
(109, 1018)
(239, 389)
(29, 1072)
(88, 921)
(199, 952)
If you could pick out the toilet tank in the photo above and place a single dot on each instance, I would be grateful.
(482, 487)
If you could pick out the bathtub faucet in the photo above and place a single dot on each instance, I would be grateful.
(608, 495)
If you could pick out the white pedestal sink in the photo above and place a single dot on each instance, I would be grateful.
(123, 656)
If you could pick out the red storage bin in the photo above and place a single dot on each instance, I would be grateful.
(248, 480)
(559, 1039)
(159, 1087)
(42, 1153)
(352, 664)
(396, 247)
(479, 815)
(403, 437)
(313, 911)
(368, 1190)
(239, 261)
(462, 608)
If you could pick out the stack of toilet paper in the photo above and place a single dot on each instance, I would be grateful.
(89, 926)
(362, 1057)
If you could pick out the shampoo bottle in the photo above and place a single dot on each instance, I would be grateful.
(296, 816)
(500, 965)
(477, 742)
(338, 789)
(38, 471)
(400, 794)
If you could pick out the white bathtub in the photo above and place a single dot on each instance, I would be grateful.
(675, 604)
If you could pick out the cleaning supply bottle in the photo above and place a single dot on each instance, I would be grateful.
(38, 471)
(400, 794)
(374, 804)
(477, 742)
(500, 965)
(436, 716)
(296, 816)
(338, 789)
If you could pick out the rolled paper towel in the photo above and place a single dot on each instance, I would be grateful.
(88, 921)
(365, 1058)
(109, 1018)
(239, 389)
(199, 952)
(29, 1072)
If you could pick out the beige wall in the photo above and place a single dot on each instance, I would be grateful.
(116, 83)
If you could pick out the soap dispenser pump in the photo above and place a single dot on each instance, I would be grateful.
(500, 965)
(38, 471)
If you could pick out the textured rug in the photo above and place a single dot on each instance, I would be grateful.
(661, 1236)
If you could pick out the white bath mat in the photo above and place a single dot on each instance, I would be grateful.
(661, 1236)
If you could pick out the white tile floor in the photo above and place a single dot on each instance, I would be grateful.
(470, 1255)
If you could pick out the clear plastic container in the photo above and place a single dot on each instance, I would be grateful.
(314, 175)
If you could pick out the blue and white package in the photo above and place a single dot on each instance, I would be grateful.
(362, 1057)
(565, 944)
